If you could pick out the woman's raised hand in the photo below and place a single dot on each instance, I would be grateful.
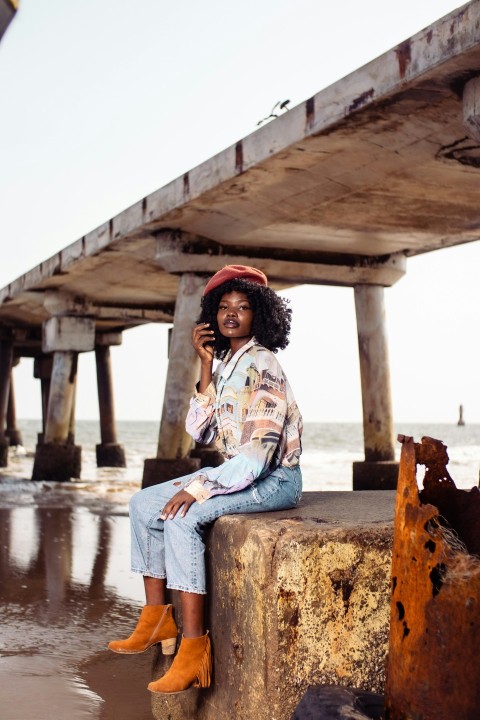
(202, 338)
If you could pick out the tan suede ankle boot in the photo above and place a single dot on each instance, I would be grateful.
(192, 666)
(156, 624)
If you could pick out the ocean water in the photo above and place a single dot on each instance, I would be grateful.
(329, 449)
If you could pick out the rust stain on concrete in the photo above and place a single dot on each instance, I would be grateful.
(309, 113)
(239, 157)
(361, 100)
(186, 185)
(404, 57)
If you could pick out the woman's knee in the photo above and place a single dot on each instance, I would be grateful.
(139, 505)
(134, 502)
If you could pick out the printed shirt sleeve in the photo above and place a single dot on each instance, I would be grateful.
(200, 422)
(258, 452)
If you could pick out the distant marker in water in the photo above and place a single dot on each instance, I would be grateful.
(461, 421)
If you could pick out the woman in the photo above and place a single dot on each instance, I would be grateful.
(248, 408)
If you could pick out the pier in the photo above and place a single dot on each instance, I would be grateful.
(340, 190)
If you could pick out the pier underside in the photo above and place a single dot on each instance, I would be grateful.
(341, 190)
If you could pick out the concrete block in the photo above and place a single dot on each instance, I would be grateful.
(4, 445)
(14, 437)
(110, 455)
(42, 367)
(208, 456)
(380, 475)
(57, 462)
(68, 333)
(296, 599)
(107, 339)
(157, 470)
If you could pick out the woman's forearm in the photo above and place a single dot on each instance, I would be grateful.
(205, 377)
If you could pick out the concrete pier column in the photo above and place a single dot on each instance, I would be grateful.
(61, 396)
(42, 370)
(174, 444)
(71, 424)
(379, 471)
(109, 452)
(13, 433)
(6, 360)
(57, 458)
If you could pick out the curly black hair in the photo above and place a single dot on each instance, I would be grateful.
(271, 315)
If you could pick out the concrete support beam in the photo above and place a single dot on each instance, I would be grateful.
(57, 457)
(174, 444)
(13, 433)
(60, 400)
(42, 370)
(71, 424)
(68, 333)
(109, 452)
(379, 471)
(471, 108)
(6, 361)
(173, 253)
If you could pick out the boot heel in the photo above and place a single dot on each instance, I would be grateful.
(168, 646)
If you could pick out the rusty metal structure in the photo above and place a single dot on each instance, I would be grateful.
(432, 671)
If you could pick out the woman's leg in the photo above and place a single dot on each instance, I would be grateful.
(155, 590)
(193, 605)
(193, 611)
(147, 534)
(156, 623)
(184, 537)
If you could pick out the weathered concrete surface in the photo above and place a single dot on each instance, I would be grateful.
(296, 598)
(110, 455)
(13, 433)
(156, 470)
(59, 462)
(183, 371)
(109, 452)
(6, 361)
(374, 373)
(380, 475)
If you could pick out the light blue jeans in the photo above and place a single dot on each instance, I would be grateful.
(175, 549)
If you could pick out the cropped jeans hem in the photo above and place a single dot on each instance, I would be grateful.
(174, 549)
(148, 574)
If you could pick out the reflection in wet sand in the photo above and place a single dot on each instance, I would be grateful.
(65, 591)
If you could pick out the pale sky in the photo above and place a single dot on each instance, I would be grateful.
(104, 101)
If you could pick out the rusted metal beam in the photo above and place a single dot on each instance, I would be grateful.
(432, 671)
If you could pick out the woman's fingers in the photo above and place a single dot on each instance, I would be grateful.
(181, 500)
(202, 334)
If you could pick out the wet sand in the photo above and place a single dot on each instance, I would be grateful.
(66, 589)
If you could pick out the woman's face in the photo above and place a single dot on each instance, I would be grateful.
(235, 317)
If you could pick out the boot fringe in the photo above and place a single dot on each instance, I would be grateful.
(204, 675)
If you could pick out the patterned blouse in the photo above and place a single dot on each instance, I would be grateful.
(250, 412)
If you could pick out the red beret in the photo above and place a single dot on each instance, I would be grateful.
(232, 272)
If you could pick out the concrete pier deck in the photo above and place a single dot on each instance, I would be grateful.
(341, 190)
(297, 598)
(338, 190)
